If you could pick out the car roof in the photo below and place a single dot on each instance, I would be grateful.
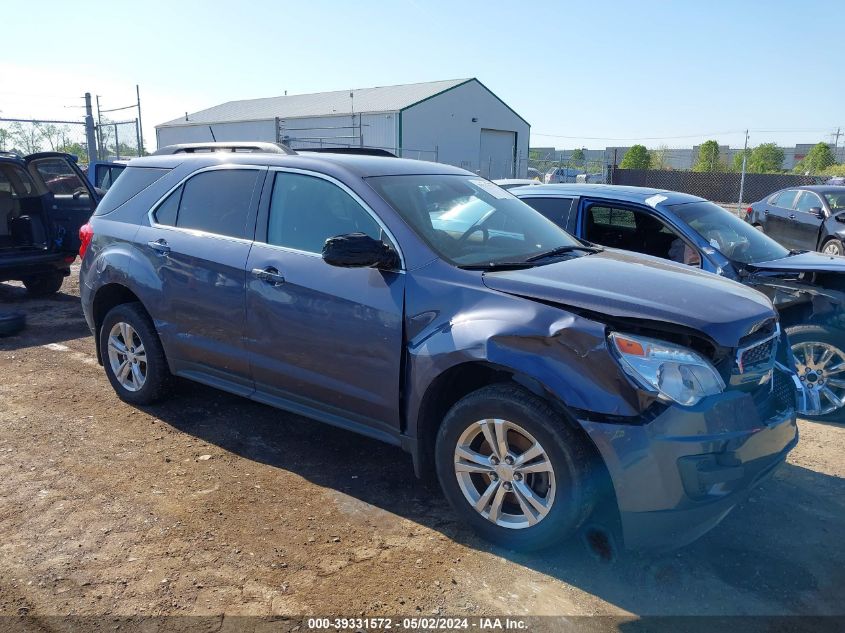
(818, 188)
(616, 192)
(360, 165)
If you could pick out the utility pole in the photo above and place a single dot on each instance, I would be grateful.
(99, 129)
(140, 127)
(89, 129)
(836, 144)
(744, 162)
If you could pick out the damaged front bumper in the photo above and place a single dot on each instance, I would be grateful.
(679, 475)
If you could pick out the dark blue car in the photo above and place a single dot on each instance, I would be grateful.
(551, 386)
(807, 288)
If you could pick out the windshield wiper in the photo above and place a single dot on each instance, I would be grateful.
(491, 266)
(563, 250)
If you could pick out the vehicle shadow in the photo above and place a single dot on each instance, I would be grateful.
(778, 553)
(42, 314)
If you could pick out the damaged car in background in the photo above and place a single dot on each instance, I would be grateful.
(807, 288)
(552, 387)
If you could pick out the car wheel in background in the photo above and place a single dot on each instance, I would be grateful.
(513, 469)
(820, 363)
(833, 247)
(11, 323)
(759, 227)
(133, 356)
(44, 285)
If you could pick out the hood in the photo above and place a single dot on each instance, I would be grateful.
(625, 285)
(803, 262)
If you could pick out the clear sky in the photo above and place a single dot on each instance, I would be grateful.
(587, 74)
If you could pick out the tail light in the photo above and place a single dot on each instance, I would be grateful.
(86, 234)
(749, 211)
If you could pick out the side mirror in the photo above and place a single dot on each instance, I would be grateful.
(358, 250)
(840, 217)
(818, 212)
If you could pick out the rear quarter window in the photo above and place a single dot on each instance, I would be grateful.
(132, 181)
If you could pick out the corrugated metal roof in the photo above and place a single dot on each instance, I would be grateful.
(379, 99)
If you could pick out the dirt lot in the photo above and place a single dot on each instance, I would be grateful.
(213, 504)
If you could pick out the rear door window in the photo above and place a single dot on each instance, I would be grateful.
(785, 199)
(59, 177)
(215, 201)
(555, 209)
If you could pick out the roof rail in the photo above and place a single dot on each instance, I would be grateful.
(364, 151)
(13, 154)
(225, 146)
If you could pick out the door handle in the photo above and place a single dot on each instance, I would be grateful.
(791, 216)
(159, 246)
(269, 275)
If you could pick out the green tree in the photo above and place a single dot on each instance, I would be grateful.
(708, 157)
(26, 138)
(660, 157)
(577, 156)
(737, 161)
(766, 157)
(4, 139)
(819, 158)
(636, 158)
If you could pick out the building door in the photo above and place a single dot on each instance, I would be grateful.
(497, 153)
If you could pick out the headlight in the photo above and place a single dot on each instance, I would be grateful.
(675, 373)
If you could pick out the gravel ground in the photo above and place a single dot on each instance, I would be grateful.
(212, 504)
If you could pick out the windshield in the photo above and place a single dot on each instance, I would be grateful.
(469, 221)
(735, 239)
(835, 200)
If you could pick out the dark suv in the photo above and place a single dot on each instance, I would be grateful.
(549, 385)
(44, 199)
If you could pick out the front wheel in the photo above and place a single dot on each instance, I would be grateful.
(513, 469)
(833, 247)
(132, 355)
(819, 353)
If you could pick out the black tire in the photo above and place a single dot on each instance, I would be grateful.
(813, 333)
(11, 323)
(833, 244)
(570, 455)
(759, 227)
(44, 285)
(158, 380)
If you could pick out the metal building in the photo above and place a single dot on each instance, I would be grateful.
(457, 121)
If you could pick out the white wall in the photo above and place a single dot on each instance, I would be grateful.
(445, 121)
(239, 131)
(378, 130)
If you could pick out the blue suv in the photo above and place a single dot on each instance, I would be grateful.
(551, 386)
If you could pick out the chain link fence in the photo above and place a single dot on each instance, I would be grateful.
(116, 140)
(28, 137)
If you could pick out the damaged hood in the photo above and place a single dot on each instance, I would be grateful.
(625, 285)
(803, 262)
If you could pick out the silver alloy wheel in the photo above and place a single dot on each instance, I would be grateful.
(831, 249)
(127, 356)
(504, 473)
(821, 368)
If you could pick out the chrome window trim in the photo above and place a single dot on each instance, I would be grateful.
(198, 232)
(353, 195)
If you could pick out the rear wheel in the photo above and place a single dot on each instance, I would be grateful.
(133, 356)
(833, 247)
(820, 363)
(44, 285)
(513, 469)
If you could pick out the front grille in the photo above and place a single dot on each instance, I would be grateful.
(760, 355)
(784, 392)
